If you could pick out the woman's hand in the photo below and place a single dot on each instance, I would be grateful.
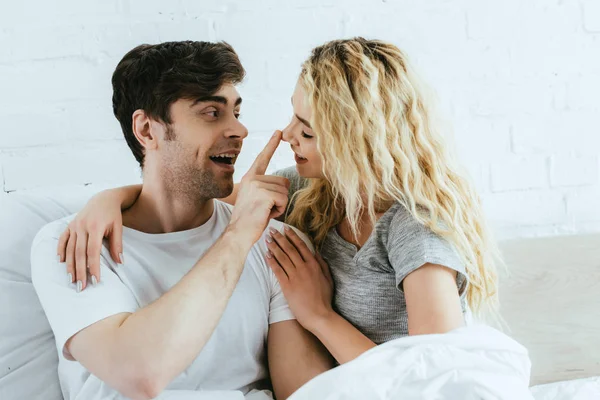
(80, 244)
(305, 279)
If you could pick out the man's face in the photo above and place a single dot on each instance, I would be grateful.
(202, 144)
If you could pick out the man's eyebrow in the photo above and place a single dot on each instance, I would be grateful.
(305, 122)
(216, 99)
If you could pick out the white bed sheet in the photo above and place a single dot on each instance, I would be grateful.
(578, 389)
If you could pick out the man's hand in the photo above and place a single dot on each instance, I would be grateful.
(260, 198)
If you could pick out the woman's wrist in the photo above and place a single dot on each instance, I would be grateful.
(320, 323)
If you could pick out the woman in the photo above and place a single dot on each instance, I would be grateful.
(402, 231)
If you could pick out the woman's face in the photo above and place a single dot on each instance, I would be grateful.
(302, 138)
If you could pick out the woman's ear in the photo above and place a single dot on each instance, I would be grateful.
(142, 129)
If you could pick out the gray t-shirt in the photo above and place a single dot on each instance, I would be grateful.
(368, 281)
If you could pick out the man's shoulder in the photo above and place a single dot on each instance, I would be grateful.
(280, 226)
(52, 230)
(44, 252)
(225, 210)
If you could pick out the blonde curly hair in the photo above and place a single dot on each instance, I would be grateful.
(379, 145)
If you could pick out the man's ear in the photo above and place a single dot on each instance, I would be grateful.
(142, 129)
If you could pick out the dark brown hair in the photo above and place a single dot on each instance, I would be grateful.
(152, 77)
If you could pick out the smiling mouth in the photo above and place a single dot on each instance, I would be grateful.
(227, 158)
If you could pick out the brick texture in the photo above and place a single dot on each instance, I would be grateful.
(518, 82)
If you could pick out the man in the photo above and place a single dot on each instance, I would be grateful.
(195, 302)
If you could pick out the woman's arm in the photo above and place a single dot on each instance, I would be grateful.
(307, 285)
(432, 303)
(126, 194)
(341, 338)
(432, 300)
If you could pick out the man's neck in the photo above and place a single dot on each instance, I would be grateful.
(158, 211)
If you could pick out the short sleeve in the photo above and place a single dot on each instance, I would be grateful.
(411, 245)
(69, 312)
(279, 310)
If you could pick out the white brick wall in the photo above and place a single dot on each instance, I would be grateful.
(517, 80)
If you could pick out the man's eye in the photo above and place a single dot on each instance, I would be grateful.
(214, 113)
(306, 135)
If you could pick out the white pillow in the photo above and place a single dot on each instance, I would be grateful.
(28, 357)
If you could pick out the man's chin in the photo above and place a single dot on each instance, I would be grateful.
(225, 187)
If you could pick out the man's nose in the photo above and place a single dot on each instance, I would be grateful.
(237, 130)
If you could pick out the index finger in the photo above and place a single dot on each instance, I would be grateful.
(259, 166)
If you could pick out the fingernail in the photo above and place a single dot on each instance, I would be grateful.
(58, 258)
(70, 278)
(94, 280)
(273, 231)
(269, 255)
(79, 286)
(275, 134)
(88, 266)
(269, 239)
(121, 258)
(287, 229)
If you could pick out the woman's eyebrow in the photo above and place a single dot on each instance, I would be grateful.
(305, 122)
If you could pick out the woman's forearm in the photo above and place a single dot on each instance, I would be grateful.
(127, 195)
(341, 338)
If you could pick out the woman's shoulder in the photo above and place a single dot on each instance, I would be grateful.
(404, 227)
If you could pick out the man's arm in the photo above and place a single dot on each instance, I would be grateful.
(295, 357)
(139, 354)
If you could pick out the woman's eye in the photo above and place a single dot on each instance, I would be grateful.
(306, 135)
(237, 115)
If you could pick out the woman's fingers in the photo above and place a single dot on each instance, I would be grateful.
(116, 242)
(324, 268)
(70, 256)
(81, 260)
(277, 270)
(298, 243)
(287, 247)
(94, 247)
(61, 249)
(279, 255)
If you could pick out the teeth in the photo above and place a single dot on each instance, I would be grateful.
(225, 155)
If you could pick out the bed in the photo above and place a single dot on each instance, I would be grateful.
(551, 302)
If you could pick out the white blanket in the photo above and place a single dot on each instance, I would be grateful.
(475, 362)
(578, 389)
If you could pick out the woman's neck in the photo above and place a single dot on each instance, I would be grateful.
(365, 228)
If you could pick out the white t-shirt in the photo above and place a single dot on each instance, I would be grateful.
(234, 358)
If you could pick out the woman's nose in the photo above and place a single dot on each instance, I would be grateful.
(287, 133)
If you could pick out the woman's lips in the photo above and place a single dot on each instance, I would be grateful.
(300, 160)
